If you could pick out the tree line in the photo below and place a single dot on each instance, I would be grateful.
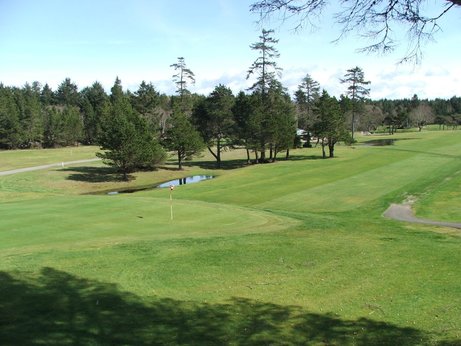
(135, 129)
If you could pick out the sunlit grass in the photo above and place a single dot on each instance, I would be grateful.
(14, 159)
(304, 234)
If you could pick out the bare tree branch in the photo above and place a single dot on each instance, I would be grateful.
(370, 19)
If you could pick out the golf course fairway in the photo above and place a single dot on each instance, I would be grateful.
(295, 252)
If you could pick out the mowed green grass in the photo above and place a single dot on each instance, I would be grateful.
(294, 252)
(14, 159)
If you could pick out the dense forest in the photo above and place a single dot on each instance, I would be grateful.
(37, 116)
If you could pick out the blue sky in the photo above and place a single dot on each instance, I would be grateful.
(97, 40)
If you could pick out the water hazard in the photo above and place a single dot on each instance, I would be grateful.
(187, 180)
(176, 182)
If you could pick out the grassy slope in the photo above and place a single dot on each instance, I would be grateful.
(319, 263)
(13, 159)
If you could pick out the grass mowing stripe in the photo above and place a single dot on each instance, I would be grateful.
(442, 201)
(360, 189)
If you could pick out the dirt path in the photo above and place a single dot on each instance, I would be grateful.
(36, 168)
(403, 212)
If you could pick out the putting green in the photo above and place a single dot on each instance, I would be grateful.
(95, 221)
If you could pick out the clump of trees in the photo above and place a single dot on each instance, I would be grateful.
(127, 140)
(270, 120)
(136, 129)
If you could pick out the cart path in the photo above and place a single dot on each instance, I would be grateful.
(36, 168)
(403, 212)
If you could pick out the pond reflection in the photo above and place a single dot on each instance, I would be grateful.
(187, 180)
(176, 182)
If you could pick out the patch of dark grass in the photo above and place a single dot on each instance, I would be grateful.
(58, 308)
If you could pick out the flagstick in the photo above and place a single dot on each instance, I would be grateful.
(171, 202)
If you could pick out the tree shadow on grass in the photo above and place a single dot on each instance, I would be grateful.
(57, 308)
(304, 157)
(240, 163)
(90, 174)
(225, 164)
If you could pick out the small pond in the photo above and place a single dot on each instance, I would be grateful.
(176, 182)
(187, 180)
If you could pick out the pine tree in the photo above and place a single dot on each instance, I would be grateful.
(329, 126)
(355, 78)
(214, 119)
(264, 66)
(182, 78)
(30, 115)
(93, 101)
(182, 138)
(67, 93)
(306, 95)
(10, 131)
(127, 142)
(266, 70)
(146, 101)
(282, 123)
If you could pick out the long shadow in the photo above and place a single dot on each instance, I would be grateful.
(57, 308)
(240, 163)
(225, 164)
(303, 157)
(382, 142)
(94, 174)
(451, 156)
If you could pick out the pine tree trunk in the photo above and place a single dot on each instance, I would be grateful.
(179, 161)
(218, 153)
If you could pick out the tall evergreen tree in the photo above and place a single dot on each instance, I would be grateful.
(125, 138)
(72, 126)
(182, 78)
(67, 93)
(93, 101)
(330, 126)
(146, 101)
(265, 67)
(247, 116)
(30, 114)
(182, 138)
(10, 129)
(62, 126)
(47, 96)
(355, 79)
(266, 70)
(306, 95)
(214, 120)
(281, 125)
